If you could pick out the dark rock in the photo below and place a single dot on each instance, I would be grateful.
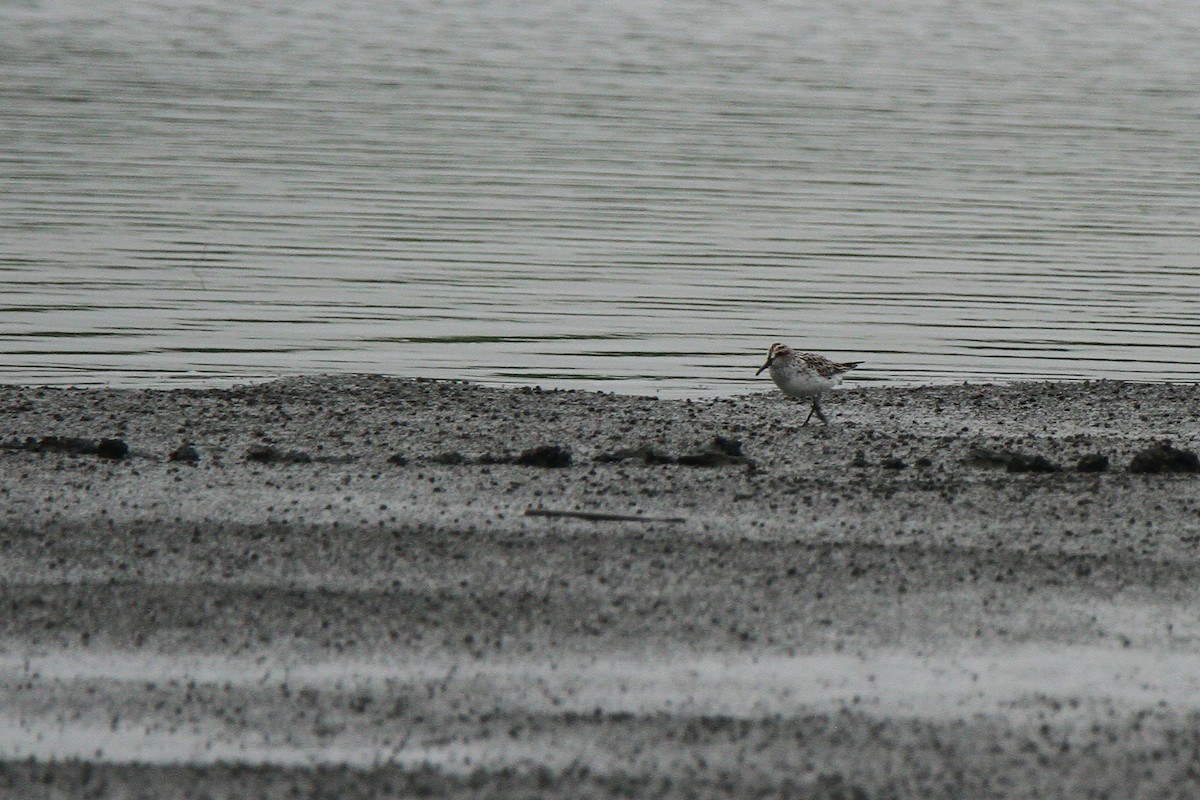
(548, 455)
(262, 453)
(185, 453)
(115, 449)
(1093, 462)
(398, 459)
(860, 460)
(730, 447)
(892, 462)
(450, 457)
(924, 462)
(1164, 457)
(489, 459)
(1020, 462)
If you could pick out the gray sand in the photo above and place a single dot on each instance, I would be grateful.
(878, 608)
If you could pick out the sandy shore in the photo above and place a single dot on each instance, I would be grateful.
(369, 587)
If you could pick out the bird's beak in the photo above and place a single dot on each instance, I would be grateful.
(764, 366)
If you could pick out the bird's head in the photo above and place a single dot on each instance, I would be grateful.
(777, 351)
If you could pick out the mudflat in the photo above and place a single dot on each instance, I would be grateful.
(360, 586)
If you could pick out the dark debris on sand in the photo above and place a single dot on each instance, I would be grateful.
(185, 454)
(1164, 457)
(550, 456)
(1010, 460)
(720, 452)
(980, 456)
(114, 449)
(266, 454)
(647, 454)
(1022, 462)
(1092, 462)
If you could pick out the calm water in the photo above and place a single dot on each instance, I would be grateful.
(638, 195)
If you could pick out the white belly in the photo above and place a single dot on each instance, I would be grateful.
(804, 383)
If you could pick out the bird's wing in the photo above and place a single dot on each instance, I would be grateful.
(826, 368)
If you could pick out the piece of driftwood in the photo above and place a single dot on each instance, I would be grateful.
(598, 516)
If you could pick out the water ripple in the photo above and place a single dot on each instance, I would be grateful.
(643, 195)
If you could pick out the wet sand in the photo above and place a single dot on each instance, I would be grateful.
(371, 587)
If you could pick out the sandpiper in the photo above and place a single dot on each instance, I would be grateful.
(804, 375)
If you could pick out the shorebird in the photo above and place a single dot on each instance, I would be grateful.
(804, 375)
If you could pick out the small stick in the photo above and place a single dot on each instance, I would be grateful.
(598, 516)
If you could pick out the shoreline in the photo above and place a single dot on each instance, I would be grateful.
(920, 553)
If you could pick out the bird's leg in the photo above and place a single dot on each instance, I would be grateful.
(820, 414)
(810, 413)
